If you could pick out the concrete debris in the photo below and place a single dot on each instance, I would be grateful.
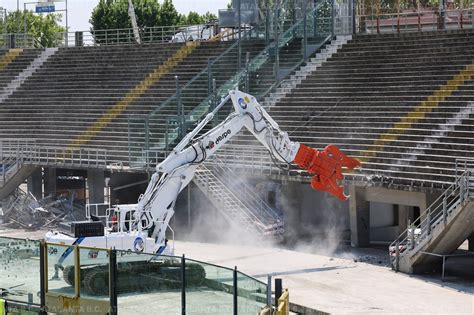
(374, 260)
(23, 210)
(379, 179)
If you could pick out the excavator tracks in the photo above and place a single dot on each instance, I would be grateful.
(142, 276)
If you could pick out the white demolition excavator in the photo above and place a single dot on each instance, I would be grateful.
(142, 227)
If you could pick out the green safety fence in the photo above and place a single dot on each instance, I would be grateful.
(63, 278)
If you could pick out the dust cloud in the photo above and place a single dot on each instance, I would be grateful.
(324, 231)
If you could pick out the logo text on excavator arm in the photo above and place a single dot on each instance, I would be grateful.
(223, 136)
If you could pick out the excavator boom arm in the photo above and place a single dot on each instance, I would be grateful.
(177, 170)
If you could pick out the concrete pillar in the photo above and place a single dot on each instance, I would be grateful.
(96, 183)
(359, 216)
(470, 241)
(403, 211)
(50, 182)
(35, 183)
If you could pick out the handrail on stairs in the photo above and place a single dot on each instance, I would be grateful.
(254, 199)
(466, 164)
(441, 211)
(244, 214)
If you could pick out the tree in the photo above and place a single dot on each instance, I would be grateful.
(209, 17)
(148, 13)
(168, 14)
(113, 14)
(194, 18)
(44, 29)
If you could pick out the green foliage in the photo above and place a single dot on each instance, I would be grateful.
(113, 14)
(208, 17)
(193, 18)
(169, 15)
(45, 29)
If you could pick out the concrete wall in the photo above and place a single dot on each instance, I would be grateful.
(379, 214)
(383, 222)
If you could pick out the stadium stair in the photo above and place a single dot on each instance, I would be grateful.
(26, 73)
(439, 230)
(371, 85)
(257, 76)
(77, 86)
(135, 93)
(19, 175)
(9, 57)
(311, 65)
(193, 95)
(236, 199)
(13, 62)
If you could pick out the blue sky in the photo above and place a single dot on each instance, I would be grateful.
(79, 11)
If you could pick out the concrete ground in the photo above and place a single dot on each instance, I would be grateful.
(354, 282)
(341, 285)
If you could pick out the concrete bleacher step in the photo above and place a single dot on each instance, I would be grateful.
(349, 96)
(371, 84)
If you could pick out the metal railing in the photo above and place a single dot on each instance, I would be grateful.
(440, 212)
(258, 75)
(146, 133)
(122, 36)
(272, 221)
(157, 34)
(415, 21)
(18, 40)
(226, 200)
(15, 153)
(463, 165)
(252, 159)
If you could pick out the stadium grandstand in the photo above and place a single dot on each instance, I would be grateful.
(89, 121)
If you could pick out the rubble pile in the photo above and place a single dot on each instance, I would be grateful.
(23, 210)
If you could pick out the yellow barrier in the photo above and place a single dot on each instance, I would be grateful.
(419, 112)
(284, 303)
(266, 310)
(2, 307)
(8, 57)
(134, 94)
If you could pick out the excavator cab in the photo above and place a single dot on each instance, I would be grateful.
(125, 215)
(120, 218)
